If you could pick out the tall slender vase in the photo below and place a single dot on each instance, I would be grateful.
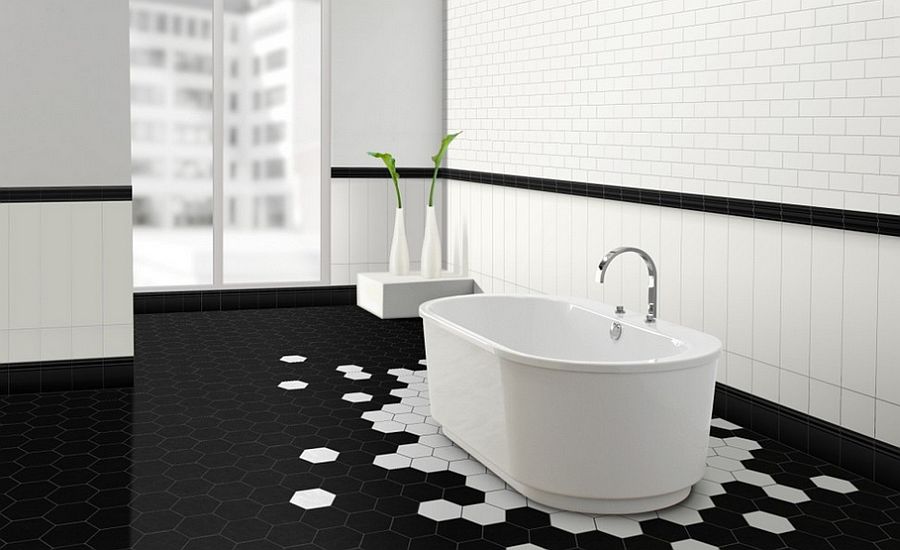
(431, 247)
(399, 258)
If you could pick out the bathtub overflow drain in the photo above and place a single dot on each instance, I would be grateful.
(615, 330)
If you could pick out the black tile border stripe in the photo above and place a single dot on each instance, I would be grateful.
(184, 301)
(849, 220)
(850, 450)
(66, 194)
(66, 375)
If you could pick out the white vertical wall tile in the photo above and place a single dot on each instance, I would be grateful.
(860, 308)
(340, 221)
(496, 239)
(358, 219)
(793, 390)
(87, 265)
(117, 281)
(24, 345)
(4, 272)
(56, 264)
(56, 343)
(825, 401)
(581, 264)
(612, 287)
(715, 276)
(692, 238)
(765, 381)
(596, 223)
(740, 286)
(24, 269)
(87, 342)
(858, 412)
(826, 307)
(888, 342)
(550, 253)
(632, 270)
(887, 422)
(796, 275)
(740, 372)
(118, 340)
(670, 260)
(509, 235)
(523, 237)
(563, 245)
(767, 291)
(378, 228)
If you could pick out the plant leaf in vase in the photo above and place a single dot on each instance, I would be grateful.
(438, 159)
(391, 164)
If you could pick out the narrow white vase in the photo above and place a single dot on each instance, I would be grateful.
(431, 247)
(399, 258)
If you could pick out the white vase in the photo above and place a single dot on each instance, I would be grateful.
(431, 247)
(399, 258)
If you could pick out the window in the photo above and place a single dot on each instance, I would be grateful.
(209, 209)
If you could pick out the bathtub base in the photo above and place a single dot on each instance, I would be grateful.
(577, 504)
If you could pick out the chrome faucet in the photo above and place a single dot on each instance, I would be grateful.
(651, 268)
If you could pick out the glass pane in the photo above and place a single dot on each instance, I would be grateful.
(272, 135)
(171, 141)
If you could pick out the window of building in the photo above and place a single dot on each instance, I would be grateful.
(187, 150)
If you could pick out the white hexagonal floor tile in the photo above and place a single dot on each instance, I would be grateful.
(733, 453)
(485, 482)
(450, 454)
(388, 426)
(414, 450)
(357, 397)
(691, 544)
(742, 443)
(506, 499)
(526, 546)
(319, 454)
(392, 461)
(440, 510)
(349, 368)
(572, 522)
(292, 359)
(717, 476)
(404, 393)
(723, 463)
(409, 418)
(399, 372)
(752, 477)
(787, 494)
(429, 464)
(696, 501)
(435, 441)
(768, 522)
(292, 385)
(397, 408)
(422, 429)
(834, 484)
(708, 488)
(618, 526)
(423, 362)
(483, 514)
(724, 424)
(358, 375)
(682, 515)
(467, 467)
(312, 498)
(377, 416)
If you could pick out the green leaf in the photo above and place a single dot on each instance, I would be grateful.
(438, 159)
(391, 164)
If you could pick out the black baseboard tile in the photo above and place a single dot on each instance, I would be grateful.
(76, 193)
(857, 453)
(258, 298)
(66, 375)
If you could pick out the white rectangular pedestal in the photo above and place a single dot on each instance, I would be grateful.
(397, 296)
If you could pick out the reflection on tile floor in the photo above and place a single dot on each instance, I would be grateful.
(230, 439)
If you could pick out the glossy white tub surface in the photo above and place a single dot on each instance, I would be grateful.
(535, 388)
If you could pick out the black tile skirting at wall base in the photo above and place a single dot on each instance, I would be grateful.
(858, 453)
(835, 218)
(66, 375)
(86, 193)
(256, 298)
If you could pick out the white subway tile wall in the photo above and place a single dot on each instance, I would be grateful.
(784, 100)
(65, 290)
(362, 223)
(805, 313)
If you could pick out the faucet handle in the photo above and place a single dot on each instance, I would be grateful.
(620, 310)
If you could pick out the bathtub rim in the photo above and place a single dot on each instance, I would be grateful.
(699, 348)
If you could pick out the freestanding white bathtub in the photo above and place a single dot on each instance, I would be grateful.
(538, 391)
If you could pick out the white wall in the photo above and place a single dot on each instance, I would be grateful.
(64, 101)
(793, 101)
(387, 95)
(65, 267)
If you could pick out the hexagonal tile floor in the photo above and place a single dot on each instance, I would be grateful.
(206, 452)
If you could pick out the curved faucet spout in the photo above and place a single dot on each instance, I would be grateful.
(651, 269)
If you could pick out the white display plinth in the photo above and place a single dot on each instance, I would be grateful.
(397, 296)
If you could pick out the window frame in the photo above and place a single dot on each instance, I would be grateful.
(218, 37)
